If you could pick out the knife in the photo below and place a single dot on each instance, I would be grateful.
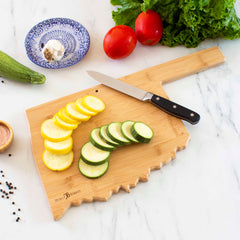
(164, 104)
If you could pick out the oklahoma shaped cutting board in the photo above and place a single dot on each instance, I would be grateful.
(129, 164)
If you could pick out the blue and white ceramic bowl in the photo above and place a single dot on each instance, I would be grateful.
(73, 36)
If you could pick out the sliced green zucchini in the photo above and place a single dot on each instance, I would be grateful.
(114, 132)
(105, 137)
(92, 155)
(91, 171)
(126, 131)
(97, 141)
(142, 132)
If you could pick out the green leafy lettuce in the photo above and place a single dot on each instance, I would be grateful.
(186, 22)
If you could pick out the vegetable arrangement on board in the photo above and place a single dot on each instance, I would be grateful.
(185, 22)
(93, 162)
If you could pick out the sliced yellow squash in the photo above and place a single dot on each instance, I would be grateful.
(52, 132)
(93, 103)
(60, 123)
(62, 114)
(62, 147)
(57, 162)
(80, 107)
(75, 114)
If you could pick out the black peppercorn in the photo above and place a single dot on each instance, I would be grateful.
(6, 193)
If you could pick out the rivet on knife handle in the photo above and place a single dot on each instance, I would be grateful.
(175, 109)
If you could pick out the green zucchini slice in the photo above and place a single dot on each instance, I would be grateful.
(114, 132)
(93, 155)
(106, 138)
(97, 141)
(91, 171)
(142, 132)
(126, 131)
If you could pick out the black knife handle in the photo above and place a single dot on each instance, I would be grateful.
(175, 109)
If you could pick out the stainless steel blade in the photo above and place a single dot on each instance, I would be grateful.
(120, 86)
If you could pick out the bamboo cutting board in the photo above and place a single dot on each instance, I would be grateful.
(128, 164)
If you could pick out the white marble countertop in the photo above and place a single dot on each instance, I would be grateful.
(196, 196)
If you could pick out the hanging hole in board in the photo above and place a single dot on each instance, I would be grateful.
(96, 90)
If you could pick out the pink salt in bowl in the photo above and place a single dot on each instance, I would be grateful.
(6, 136)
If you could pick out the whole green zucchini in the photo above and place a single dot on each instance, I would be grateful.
(12, 69)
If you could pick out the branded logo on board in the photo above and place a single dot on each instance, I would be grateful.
(66, 195)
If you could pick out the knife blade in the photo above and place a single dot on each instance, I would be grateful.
(164, 104)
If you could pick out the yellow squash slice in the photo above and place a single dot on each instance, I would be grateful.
(93, 103)
(62, 147)
(57, 162)
(60, 123)
(75, 114)
(53, 133)
(62, 114)
(81, 108)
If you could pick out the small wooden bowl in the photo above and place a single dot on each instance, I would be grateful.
(6, 145)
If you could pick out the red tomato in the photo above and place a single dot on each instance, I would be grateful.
(148, 27)
(119, 42)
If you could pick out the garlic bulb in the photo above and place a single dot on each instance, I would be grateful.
(53, 50)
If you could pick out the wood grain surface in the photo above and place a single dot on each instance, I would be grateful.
(128, 164)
